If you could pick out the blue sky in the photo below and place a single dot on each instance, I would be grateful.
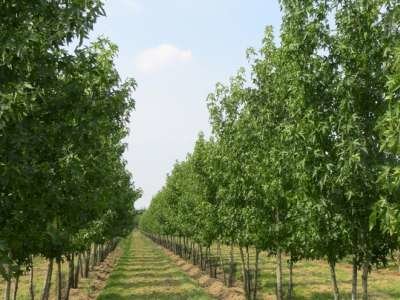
(177, 51)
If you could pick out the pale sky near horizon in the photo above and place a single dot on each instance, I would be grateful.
(177, 51)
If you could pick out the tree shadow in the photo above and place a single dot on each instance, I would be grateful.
(154, 296)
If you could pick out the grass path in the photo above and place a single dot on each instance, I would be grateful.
(145, 272)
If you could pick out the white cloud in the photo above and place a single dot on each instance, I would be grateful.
(160, 57)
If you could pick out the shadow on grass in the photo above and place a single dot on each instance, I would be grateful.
(153, 296)
(317, 296)
(144, 269)
(167, 283)
(117, 275)
(144, 272)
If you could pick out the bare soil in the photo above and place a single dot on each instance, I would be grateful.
(90, 288)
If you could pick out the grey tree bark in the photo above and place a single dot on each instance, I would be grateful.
(59, 280)
(279, 287)
(16, 287)
(290, 286)
(364, 278)
(31, 283)
(354, 280)
(47, 283)
(335, 287)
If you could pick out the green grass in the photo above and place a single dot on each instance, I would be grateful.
(39, 271)
(312, 278)
(145, 272)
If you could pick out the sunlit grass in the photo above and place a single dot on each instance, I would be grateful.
(145, 272)
(39, 271)
(312, 278)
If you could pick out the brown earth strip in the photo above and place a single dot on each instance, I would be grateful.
(90, 288)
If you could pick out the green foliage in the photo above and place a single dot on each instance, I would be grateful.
(63, 116)
(387, 210)
(304, 158)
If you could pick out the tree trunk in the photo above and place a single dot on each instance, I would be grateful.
(335, 287)
(231, 266)
(81, 264)
(244, 274)
(94, 261)
(87, 263)
(184, 248)
(59, 280)
(201, 258)
(248, 271)
(16, 286)
(76, 274)
(255, 287)
(47, 283)
(397, 255)
(180, 247)
(279, 289)
(354, 281)
(365, 269)
(221, 262)
(71, 273)
(290, 286)
(208, 260)
(31, 285)
(99, 254)
(7, 290)
(103, 252)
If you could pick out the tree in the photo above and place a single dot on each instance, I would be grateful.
(63, 116)
(342, 79)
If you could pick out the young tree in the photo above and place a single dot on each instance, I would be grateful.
(342, 79)
(62, 120)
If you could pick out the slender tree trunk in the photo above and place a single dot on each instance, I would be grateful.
(354, 281)
(184, 248)
(7, 290)
(31, 284)
(231, 266)
(244, 273)
(201, 258)
(77, 271)
(99, 250)
(279, 288)
(397, 255)
(248, 271)
(332, 269)
(47, 283)
(365, 269)
(290, 286)
(16, 286)
(71, 272)
(221, 262)
(256, 274)
(100, 253)
(81, 264)
(87, 263)
(94, 261)
(180, 246)
(103, 252)
(210, 262)
(194, 253)
(59, 280)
